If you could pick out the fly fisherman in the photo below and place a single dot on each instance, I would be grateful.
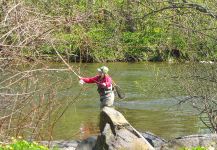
(104, 83)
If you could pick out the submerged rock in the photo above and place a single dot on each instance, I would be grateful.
(204, 140)
(154, 140)
(87, 144)
(62, 145)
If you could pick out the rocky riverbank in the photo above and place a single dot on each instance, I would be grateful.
(117, 133)
(205, 140)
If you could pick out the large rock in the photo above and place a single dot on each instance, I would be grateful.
(205, 140)
(124, 139)
(117, 133)
(154, 140)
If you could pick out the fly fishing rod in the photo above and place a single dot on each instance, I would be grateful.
(70, 68)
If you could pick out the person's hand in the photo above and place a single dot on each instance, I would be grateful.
(81, 82)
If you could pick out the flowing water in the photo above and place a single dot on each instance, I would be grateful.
(150, 103)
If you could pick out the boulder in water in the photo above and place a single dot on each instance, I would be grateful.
(117, 133)
(204, 140)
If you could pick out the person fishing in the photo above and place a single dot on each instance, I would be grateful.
(104, 84)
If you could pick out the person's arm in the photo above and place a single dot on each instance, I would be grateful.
(90, 80)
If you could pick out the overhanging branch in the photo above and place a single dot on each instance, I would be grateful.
(176, 5)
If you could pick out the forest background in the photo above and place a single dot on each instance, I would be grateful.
(105, 31)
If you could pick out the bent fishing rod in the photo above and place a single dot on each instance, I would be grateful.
(70, 68)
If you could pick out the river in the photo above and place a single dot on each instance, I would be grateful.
(150, 103)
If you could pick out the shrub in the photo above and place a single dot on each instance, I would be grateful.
(23, 145)
(195, 148)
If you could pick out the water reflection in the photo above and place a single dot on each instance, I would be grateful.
(156, 117)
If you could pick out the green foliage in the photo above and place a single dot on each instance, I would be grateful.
(23, 145)
(119, 30)
(103, 46)
(195, 148)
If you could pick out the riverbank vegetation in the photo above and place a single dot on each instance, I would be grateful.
(199, 81)
(23, 145)
(117, 30)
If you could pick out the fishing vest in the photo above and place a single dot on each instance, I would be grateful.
(104, 92)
